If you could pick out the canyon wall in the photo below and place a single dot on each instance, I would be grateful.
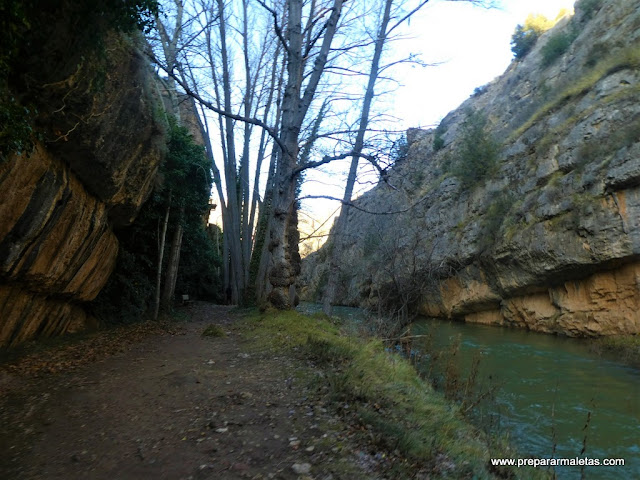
(548, 238)
(101, 138)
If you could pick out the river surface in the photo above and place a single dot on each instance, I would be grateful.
(547, 388)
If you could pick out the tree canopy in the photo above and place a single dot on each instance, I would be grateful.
(526, 35)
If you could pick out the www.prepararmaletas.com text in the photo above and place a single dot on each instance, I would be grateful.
(558, 462)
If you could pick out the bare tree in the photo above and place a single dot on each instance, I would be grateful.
(169, 41)
(161, 241)
(287, 68)
(389, 22)
(278, 288)
(199, 58)
(336, 250)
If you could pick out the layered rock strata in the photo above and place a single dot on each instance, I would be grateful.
(59, 204)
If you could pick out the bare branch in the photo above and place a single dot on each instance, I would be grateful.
(276, 27)
(407, 16)
(212, 107)
(311, 42)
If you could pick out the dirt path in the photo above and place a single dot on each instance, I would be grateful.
(179, 406)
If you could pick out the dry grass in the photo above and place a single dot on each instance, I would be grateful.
(386, 392)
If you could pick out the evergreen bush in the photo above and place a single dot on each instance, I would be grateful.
(438, 139)
(557, 45)
(588, 7)
(526, 35)
(477, 154)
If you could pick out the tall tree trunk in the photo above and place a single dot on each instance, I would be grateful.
(341, 223)
(260, 254)
(245, 190)
(281, 271)
(279, 274)
(161, 242)
(172, 266)
(203, 124)
(231, 175)
(226, 269)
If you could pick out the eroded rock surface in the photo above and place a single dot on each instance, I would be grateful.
(548, 242)
(58, 205)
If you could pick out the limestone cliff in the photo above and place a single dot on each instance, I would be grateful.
(549, 239)
(92, 167)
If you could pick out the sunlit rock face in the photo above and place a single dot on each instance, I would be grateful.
(549, 241)
(92, 172)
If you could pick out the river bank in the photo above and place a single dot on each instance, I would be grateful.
(281, 396)
(555, 396)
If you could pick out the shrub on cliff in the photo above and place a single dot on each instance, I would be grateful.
(438, 138)
(557, 45)
(588, 8)
(477, 154)
(526, 35)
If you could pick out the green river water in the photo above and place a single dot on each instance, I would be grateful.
(545, 387)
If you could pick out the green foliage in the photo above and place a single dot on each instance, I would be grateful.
(438, 139)
(15, 120)
(526, 35)
(186, 171)
(16, 131)
(494, 218)
(126, 296)
(417, 178)
(399, 149)
(321, 285)
(620, 59)
(371, 243)
(402, 412)
(523, 41)
(558, 44)
(259, 239)
(14, 22)
(186, 183)
(41, 41)
(481, 90)
(201, 262)
(214, 331)
(477, 155)
(438, 143)
(598, 52)
(599, 149)
(127, 15)
(588, 7)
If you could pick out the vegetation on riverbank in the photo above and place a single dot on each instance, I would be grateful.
(623, 348)
(386, 396)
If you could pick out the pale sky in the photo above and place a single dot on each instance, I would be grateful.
(472, 45)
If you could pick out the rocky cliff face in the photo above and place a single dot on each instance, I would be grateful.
(91, 171)
(549, 238)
